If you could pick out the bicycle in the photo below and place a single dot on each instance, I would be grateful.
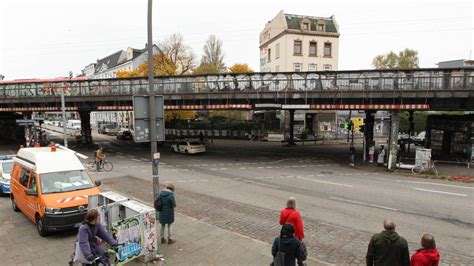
(105, 165)
(428, 167)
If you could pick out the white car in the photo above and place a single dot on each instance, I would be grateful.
(187, 147)
(6, 165)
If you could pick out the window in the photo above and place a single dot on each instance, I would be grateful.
(297, 67)
(269, 55)
(33, 185)
(312, 48)
(327, 49)
(327, 67)
(277, 51)
(25, 174)
(297, 48)
(320, 27)
(277, 69)
(312, 67)
(305, 26)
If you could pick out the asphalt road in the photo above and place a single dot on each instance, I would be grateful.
(328, 191)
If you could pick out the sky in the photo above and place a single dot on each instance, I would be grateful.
(47, 39)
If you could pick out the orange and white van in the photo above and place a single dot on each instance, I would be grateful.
(51, 187)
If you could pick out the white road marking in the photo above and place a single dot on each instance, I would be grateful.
(325, 182)
(436, 184)
(262, 184)
(120, 156)
(364, 204)
(136, 160)
(441, 192)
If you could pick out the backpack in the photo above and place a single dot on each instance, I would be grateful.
(159, 203)
(279, 259)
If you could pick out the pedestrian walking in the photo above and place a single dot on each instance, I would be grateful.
(287, 249)
(428, 255)
(371, 153)
(388, 248)
(381, 157)
(290, 215)
(166, 216)
(352, 152)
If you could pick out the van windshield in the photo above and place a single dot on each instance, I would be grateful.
(65, 181)
(7, 167)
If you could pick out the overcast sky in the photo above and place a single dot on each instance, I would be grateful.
(45, 39)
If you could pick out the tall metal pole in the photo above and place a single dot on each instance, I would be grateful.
(151, 92)
(63, 110)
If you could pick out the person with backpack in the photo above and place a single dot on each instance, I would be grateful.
(286, 248)
(290, 215)
(165, 204)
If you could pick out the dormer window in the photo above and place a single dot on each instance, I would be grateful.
(305, 26)
(320, 27)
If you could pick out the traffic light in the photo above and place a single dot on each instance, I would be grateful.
(361, 128)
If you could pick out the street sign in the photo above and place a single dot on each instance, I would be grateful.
(25, 122)
(141, 117)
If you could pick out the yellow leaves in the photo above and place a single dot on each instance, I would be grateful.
(180, 115)
(240, 68)
(162, 66)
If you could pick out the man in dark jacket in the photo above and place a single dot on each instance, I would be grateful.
(167, 213)
(388, 248)
(288, 244)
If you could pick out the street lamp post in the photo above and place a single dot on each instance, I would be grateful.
(63, 110)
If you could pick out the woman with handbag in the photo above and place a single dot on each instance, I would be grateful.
(286, 248)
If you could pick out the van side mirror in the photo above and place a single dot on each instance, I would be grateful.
(98, 183)
(30, 192)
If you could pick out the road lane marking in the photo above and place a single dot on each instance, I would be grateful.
(436, 184)
(258, 183)
(441, 192)
(325, 182)
(136, 160)
(364, 204)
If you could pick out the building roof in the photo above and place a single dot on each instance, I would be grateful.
(109, 61)
(294, 22)
(44, 160)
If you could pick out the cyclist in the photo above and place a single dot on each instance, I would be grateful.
(87, 238)
(99, 157)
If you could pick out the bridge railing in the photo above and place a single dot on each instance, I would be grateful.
(356, 81)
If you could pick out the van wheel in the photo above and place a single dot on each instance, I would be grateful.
(186, 152)
(40, 226)
(14, 207)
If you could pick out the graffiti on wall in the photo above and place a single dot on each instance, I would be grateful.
(256, 82)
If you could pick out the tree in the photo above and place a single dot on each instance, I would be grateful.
(181, 55)
(180, 115)
(213, 54)
(404, 59)
(240, 68)
(162, 65)
(205, 70)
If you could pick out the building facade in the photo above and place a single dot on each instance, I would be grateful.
(123, 60)
(299, 43)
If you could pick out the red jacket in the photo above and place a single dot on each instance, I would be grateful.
(293, 217)
(425, 257)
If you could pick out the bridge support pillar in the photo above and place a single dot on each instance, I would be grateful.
(369, 131)
(393, 141)
(291, 140)
(86, 131)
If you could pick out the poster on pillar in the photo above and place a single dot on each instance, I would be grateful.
(141, 115)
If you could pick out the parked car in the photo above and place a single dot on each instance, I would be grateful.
(124, 134)
(188, 147)
(6, 165)
(420, 138)
(102, 127)
(112, 131)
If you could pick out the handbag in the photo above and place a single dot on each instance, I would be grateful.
(279, 259)
(79, 255)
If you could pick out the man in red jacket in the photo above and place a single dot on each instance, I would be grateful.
(290, 215)
(428, 255)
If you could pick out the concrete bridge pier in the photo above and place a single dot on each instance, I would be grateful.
(86, 131)
(291, 140)
(369, 130)
(393, 141)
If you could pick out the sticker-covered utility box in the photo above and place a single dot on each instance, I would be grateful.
(423, 157)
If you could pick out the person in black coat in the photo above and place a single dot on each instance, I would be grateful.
(288, 244)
